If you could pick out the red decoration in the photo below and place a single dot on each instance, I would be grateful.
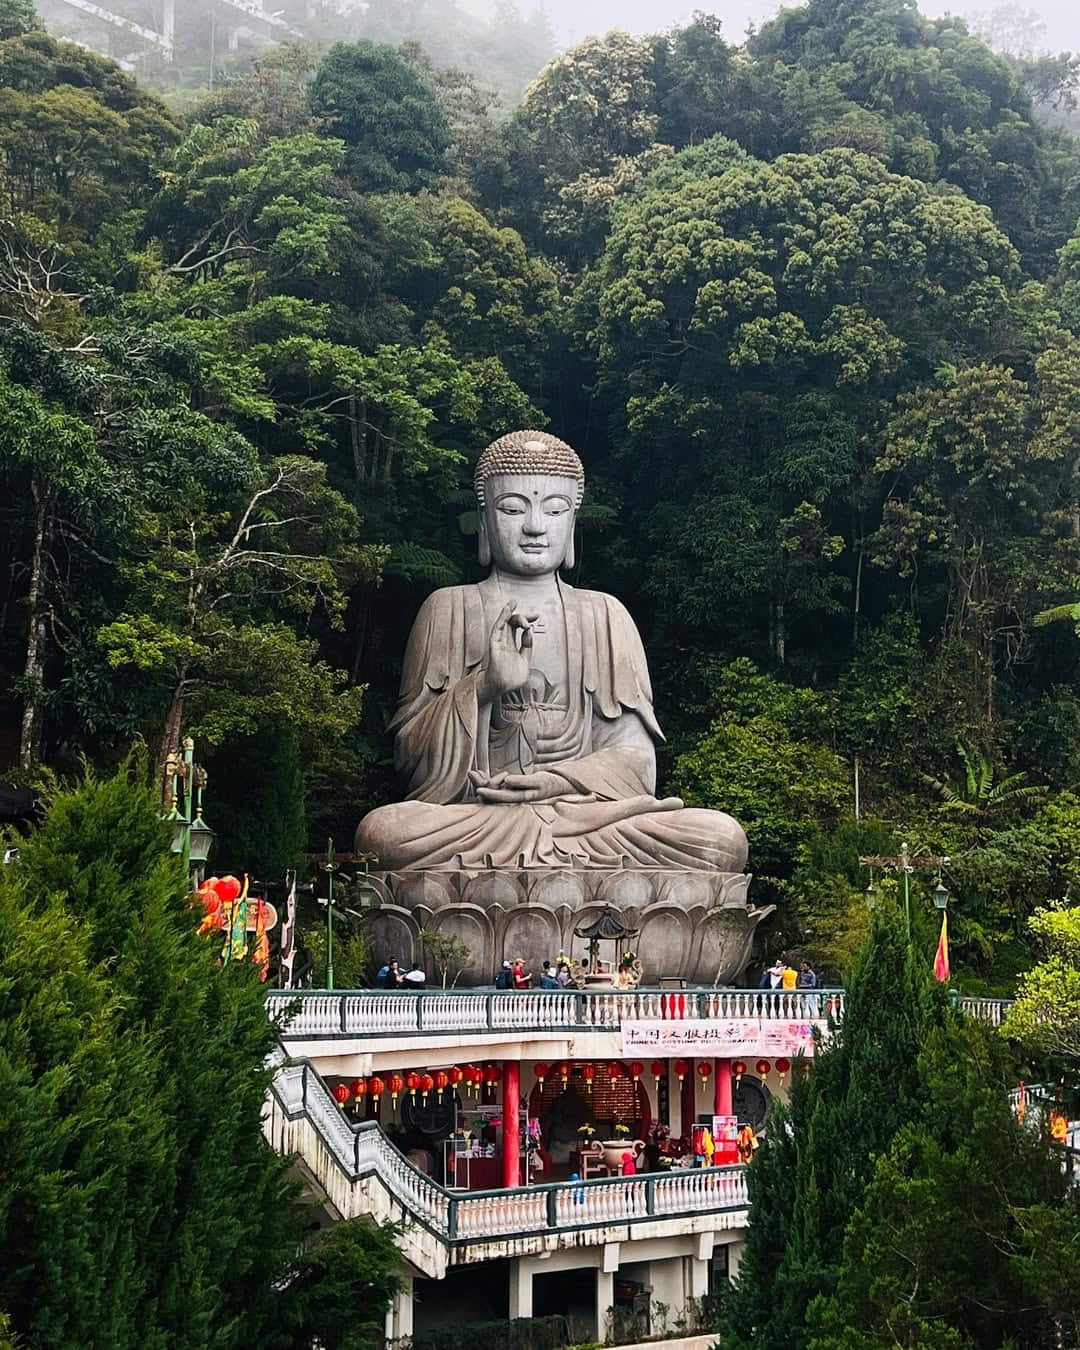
(588, 1072)
(682, 1068)
(492, 1075)
(341, 1093)
(427, 1083)
(762, 1067)
(564, 1073)
(412, 1082)
(738, 1069)
(704, 1070)
(376, 1087)
(359, 1087)
(657, 1068)
(541, 1073)
(636, 1069)
(395, 1085)
(472, 1077)
(614, 1070)
(228, 888)
(440, 1081)
(455, 1075)
(782, 1067)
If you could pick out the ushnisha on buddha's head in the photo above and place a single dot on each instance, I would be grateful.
(529, 486)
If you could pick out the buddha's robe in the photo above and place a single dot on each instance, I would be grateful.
(597, 734)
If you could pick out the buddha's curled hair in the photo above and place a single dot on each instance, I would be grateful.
(529, 452)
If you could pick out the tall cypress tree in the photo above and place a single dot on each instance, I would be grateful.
(949, 1245)
(139, 1205)
(814, 1164)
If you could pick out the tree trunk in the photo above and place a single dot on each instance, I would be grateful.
(170, 739)
(34, 668)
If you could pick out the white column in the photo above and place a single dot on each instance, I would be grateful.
(399, 1316)
(605, 1297)
(521, 1288)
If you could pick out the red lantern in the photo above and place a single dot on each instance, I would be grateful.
(395, 1085)
(614, 1070)
(541, 1073)
(636, 1069)
(657, 1068)
(376, 1087)
(455, 1075)
(588, 1072)
(341, 1093)
(762, 1067)
(564, 1073)
(782, 1067)
(359, 1088)
(472, 1077)
(412, 1082)
(492, 1074)
(228, 888)
(682, 1068)
(738, 1069)
(704, 1070)
(440, 1081)
(427, 1083)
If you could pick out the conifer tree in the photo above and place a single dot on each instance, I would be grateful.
(139, 1205)
(817, 1158)
(950, 1247)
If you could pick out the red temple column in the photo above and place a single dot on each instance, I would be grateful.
(722, 1077)
(511, 1144)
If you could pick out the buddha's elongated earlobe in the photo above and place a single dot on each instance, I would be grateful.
(571, 558)
(484, 548)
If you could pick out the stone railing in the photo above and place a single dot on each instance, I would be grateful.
(344, 1158)
(376, 1013)
(990, 1010)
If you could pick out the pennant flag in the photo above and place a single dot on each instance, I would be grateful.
(941, 960)
(261, 953)
(238, 936)
(288, 931)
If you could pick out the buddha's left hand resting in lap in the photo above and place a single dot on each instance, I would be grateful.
(525, 730)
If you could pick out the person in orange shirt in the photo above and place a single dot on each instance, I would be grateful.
(790, 978)
(747, 1144)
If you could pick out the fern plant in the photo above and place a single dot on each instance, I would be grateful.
(978, 792)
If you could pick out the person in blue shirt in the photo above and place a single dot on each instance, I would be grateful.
(547, 977)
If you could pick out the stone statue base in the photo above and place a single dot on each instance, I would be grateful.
(506, 913)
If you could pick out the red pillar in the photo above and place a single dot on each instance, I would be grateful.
(511, 1146)
(688, 1112)
(722, 1100)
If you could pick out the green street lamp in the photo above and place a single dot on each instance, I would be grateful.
(906, 863)
(184, 782)
(940, 896)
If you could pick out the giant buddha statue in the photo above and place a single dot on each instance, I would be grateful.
(525, 731)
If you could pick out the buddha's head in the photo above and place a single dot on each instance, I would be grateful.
(529, 486)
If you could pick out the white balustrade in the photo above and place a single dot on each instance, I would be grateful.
(453, 1012)
(358, 1013)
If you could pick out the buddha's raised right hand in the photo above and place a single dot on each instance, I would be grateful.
(509, 653)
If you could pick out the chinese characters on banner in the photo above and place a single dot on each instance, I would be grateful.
(719, 1038)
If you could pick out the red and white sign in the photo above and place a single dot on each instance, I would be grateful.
(719, 1038)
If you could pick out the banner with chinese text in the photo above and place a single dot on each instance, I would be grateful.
(721, 1038)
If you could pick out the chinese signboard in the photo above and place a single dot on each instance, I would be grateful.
(719, 1037)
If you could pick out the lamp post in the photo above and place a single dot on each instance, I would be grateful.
(906, 863)
(182, 793)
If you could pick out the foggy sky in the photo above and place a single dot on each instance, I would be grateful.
(573, 19)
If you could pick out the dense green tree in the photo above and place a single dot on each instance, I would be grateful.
(389, 119)
(965, 1166)
(339, 1292)
(864, 1088)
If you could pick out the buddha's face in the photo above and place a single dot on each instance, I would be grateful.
(528, 520)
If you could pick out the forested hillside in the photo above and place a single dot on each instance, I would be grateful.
(808, 307)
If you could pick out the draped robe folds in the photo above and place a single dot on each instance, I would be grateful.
(597, 734)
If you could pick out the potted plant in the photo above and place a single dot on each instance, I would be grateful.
(613, 1149)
